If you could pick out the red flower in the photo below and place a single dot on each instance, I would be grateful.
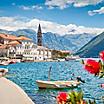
(83, 102)
(62, 97)
(101, 54)
(92, 66)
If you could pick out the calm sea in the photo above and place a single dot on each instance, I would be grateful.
(25, 75)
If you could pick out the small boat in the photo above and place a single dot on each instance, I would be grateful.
(59, 60)
(4, 63)
(72, 58)
(3, 72)
(12, 62)
(57, 84)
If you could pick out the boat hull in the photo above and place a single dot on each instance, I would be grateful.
(57, 84)
(72, 58)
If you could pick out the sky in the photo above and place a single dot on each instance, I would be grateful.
(56, 16)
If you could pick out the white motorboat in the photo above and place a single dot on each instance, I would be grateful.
(57, 84)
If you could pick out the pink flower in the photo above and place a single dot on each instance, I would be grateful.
(102, 85)
(101, 54)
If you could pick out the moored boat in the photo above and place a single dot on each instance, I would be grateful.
(57, 84)
(3, 72)
(4, 63)
(72, 58)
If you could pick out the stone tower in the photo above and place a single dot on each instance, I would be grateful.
(39, 36)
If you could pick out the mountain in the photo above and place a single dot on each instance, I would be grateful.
(93, 47)
(79, 40)
(55, 41)
(4, 31)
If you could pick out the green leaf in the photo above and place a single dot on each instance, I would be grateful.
(72, 97)
(80, 95)
(101, 75)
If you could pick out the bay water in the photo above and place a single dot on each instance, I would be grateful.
(26, 74)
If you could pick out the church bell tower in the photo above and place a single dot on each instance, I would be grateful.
(39, 36)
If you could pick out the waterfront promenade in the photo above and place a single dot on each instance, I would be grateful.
(10, 93)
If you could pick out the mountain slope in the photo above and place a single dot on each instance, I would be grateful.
(55, 41)
(93, 47)
(79, 40)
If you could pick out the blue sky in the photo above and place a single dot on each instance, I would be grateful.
(87, 13)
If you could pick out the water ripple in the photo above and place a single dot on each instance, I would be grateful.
(25, 75)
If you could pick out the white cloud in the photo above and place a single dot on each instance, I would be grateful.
(99, 11)
(33, 7)
(59, 3)
(76, 3)
(6, 20)
(24, 7)
(37, 7)
(15, 23)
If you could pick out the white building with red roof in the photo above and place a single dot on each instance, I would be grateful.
(22, 47)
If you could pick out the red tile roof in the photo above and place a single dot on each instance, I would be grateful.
(9, 37)
(23, 38)
(12, 37)
(14, 43)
